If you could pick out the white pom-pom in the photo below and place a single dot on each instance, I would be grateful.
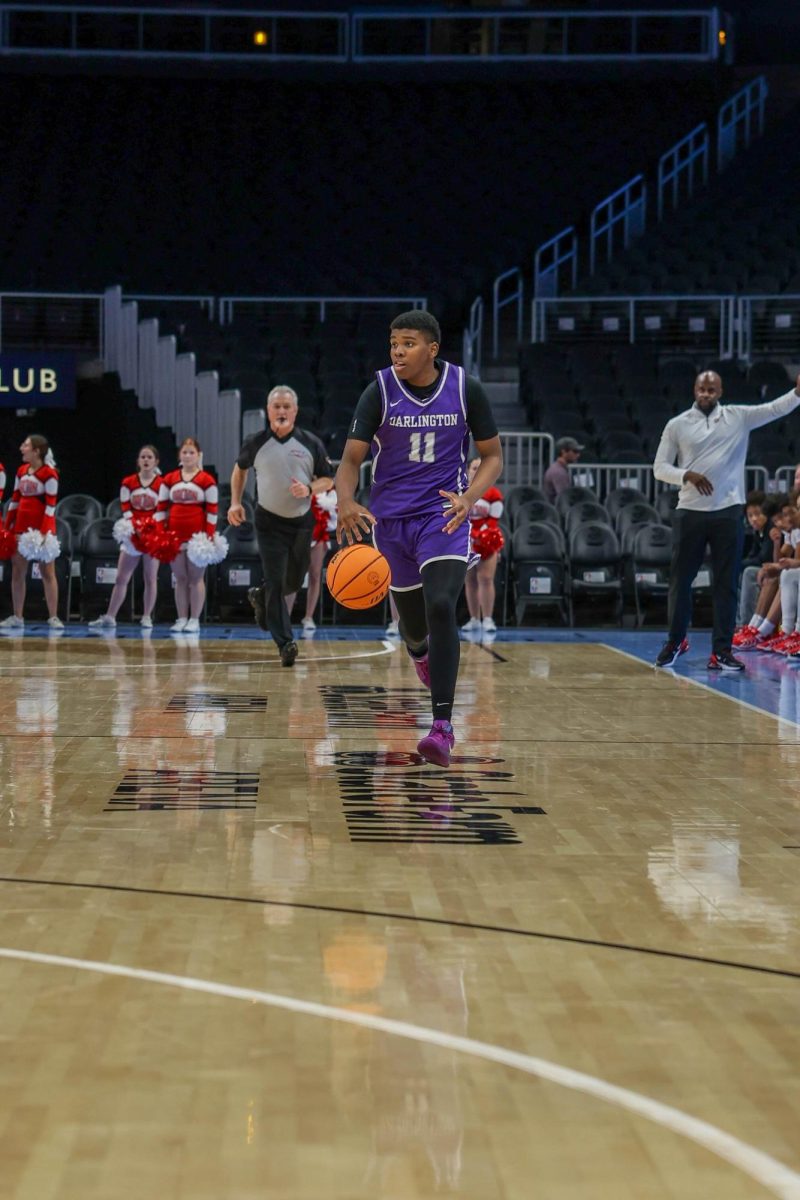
(327, 500)
(122, 532)
(203, 551)
(480, 508)
(51, 548)
(29, 544)
(496, 509)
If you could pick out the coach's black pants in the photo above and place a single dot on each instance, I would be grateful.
(285, 549)
(723, 532)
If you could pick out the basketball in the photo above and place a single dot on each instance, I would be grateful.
(358, 576)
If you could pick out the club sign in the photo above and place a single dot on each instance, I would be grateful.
(37, 379)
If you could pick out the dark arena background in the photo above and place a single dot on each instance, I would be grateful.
(256, 942)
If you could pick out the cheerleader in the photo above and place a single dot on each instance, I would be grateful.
(486, 540)
(323, 509)
(138, 497)
(187, 504)
(33, 508)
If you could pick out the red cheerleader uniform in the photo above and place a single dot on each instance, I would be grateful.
(486, 536)
(190, 506)
(33, 503)
(138, 500)
(323, 508)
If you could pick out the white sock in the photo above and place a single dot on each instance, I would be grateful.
(755, 621)
(766, 628)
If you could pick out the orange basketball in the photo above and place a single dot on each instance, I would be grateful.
(358, 576)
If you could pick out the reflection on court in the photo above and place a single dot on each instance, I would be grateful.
(183, 807)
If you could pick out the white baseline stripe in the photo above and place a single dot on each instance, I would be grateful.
(767, 1171)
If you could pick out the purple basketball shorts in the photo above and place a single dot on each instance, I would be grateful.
(410, 543)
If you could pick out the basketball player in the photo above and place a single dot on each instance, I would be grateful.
(419, 414)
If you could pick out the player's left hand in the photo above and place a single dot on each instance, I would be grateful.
(457, 510)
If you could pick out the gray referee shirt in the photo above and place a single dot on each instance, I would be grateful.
(299, 455)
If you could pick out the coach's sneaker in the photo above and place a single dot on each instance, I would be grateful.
(670, 652)
(288, 654)
(12, 622)
(436, 746)
(256, 597)
(724, 661)
(422, 668)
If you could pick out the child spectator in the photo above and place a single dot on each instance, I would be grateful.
(762, 630)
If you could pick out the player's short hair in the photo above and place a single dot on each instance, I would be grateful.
(755, 499)
(421, 320)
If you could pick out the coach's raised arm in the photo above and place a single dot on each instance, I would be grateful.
(703, 452)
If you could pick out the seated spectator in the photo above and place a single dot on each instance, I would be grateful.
(557, 477)
(758, 550)
(763, 629)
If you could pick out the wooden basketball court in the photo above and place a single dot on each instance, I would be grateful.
(252, 947)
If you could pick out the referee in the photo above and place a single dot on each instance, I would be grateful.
(290, 465)
(709, 441)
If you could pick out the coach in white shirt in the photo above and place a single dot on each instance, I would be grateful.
(709, 442)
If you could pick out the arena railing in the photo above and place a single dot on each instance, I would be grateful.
(526, 457)
(679, 167)
(784, 478)
(473, 339)
(400, 35)
(603, 478)
(405, 35)
(621, 217)
(226, 305)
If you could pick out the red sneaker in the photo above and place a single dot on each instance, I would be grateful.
(745, 637)
(768, 643)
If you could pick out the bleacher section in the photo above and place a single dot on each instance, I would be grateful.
(289, 188)
(616, 402)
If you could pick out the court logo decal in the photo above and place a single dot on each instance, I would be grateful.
(396, 797)
(363, 706)
(196, 702)
(172, 790)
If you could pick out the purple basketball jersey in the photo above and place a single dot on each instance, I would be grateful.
(420, 445)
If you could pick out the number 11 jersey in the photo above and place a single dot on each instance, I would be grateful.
(420, 446)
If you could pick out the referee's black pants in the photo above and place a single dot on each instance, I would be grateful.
(284, 546)
(723, 532)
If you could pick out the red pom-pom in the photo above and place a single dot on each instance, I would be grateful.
(8, 544)
(487, 539)
(160, 543)
(143, 527)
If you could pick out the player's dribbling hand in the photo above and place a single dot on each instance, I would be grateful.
(353, 521)
(236, 514)
(457, 509)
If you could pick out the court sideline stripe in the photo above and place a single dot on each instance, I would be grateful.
(764, 712)
(341, 910)
(781, 1180)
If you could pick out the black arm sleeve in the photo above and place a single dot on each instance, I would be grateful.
(480, 417)
(250, 448)
(367, 416)
(322, 464)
